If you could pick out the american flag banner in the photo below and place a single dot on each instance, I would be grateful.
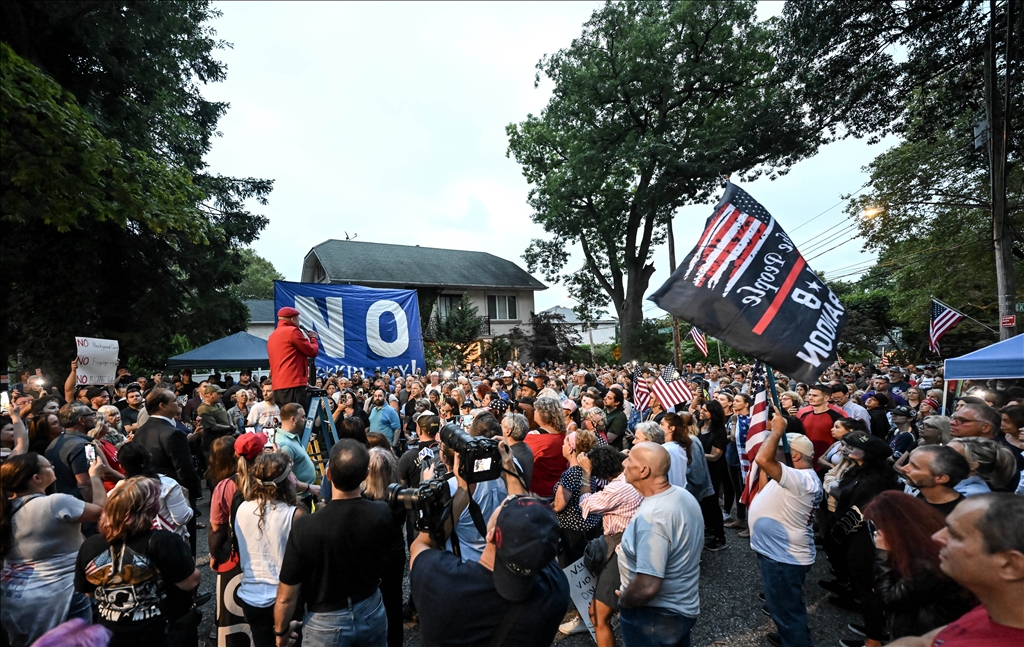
(641, 394)
(670, 389)
(699, 340)
(746, 284)
(755, 434)
(943, 318)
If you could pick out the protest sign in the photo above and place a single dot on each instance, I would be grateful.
(97, 360)
(361, 329)
(581, 589)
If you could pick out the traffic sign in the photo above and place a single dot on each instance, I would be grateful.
(1009, 321)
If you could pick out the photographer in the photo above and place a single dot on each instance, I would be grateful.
(468, 602)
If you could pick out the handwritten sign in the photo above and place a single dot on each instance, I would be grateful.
(97, 360)
(581, 589)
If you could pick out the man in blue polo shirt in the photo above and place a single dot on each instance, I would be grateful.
(383, 417)
(288, 440)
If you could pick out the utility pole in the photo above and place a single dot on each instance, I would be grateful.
(997, 111)
(671, 270)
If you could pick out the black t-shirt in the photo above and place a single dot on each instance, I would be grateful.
(412, 462)
(458, 605)
(129, 581)
(337, 552)
(944, 508)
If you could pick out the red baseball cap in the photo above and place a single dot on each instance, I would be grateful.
(286, 312)
(250, 445)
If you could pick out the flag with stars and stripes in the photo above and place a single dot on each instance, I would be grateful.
(746, 284)
(755, 434)
(699, 340)
(641, 394)
(670, 389)
(943, 318)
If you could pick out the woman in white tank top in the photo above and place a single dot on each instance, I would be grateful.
(262, 524)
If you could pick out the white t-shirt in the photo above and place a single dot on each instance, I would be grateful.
(261, 551)
(780, 517)
(664, 539)
(677, 468)
(264, 414)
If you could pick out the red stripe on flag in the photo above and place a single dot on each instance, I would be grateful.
(781, 296)
(729, 246)
(751, 246)
(715, 247)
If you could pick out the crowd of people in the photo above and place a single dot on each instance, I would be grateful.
(912, 492)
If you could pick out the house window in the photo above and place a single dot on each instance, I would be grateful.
(502, 307)
(448, 303)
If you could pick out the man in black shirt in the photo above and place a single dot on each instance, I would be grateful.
(412, 462)
(516, 588)
(935, 470)
(334, 559)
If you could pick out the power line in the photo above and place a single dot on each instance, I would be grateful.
(864, 186)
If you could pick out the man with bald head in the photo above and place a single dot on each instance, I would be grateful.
(659, 557)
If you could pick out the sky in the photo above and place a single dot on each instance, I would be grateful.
(386, 121)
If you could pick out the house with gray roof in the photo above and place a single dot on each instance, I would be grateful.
(262, 318)
(501, 290)
(602, 331)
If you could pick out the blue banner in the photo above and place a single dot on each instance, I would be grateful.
(362, 329)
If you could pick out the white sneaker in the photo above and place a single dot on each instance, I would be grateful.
(574, 626)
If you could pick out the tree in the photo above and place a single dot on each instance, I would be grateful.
(113, 226)
(456, 333)
(257, 278)
(930, 73)
(653, 105)
(551, 338)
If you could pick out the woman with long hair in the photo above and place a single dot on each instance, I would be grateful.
(914, 398)
(576, 530)
(546, 443)
(714, 438)
(381, 473)
(679, 447)
(791, 402)
(262, 524)
(175, 511)
(917, 595)
(877, 405)
(39, 539)
(127, 567)
(113, 472)
(42, 431)
(698, 475)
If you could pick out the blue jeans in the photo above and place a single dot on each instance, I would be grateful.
(654, 627)
(783, 586)
(363, 624)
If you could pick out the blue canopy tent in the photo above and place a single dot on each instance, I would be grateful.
(240, 350)
(1004, 360)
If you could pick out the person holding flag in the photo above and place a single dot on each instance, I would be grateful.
(780, 516)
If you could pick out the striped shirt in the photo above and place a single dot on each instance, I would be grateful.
(618, 502)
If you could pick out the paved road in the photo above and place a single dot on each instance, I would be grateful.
(730, 611)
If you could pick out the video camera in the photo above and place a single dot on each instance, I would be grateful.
(479, 458)
(431, 502)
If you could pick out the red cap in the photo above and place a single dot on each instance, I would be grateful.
(250, 445)
(287, 312)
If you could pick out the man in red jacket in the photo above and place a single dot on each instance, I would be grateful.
(289, 349)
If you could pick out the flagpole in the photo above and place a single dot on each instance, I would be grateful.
(967, 317)
(718, 343)
(775, 402)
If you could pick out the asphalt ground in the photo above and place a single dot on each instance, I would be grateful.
(730, 610)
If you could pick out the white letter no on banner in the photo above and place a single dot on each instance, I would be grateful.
(373, 338)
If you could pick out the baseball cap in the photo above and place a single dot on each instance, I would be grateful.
(507, 374)
(568, 405)
(904, 411)
(250, 445)
(287, 312)
(526, 540)
(94, 392)
(498, 406)
(868, 444)
(211, 388)
(802, 444)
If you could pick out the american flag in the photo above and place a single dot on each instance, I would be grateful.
(943, 318)
(729, 244)
(671, 390)
(755, 434)
(641, 394)
(884, 362)
(698, 338)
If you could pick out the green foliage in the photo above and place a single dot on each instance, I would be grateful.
(456, 334)
(551, 338)
(651, 345)
(602, 355)
(653, 105)
(258, 277)
(498, 351)
(113, 227)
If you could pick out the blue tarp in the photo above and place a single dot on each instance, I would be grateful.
(1002, 360)
(240, 350)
